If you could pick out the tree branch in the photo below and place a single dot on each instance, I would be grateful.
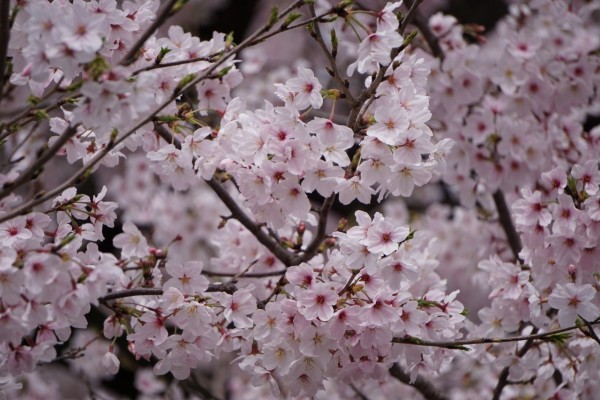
(503, 378)
(342, 81)
(423, 26)
(122, 294)
(314, 245)
(245, 275)
(423, 386)
(368, 93)
(282, 254)
(161, 17)
(236, 211)
(456, 344)
(4, 39)
(412, 10)
(514, 240)
(37, 165)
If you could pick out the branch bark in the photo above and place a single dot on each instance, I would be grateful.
(514, 240)
(4, 39)
(424, 387)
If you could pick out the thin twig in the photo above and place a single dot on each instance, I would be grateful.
(36, 165)
(337, 75)
(278, 251)
(409, 16)
(122, 294)
(313, 246)
(368, 93)
(4, 39)
(246, 275)
(466, 342)
(162, 16)
(503, 377)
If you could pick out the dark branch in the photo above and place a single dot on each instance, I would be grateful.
(460, 343)
(162, 16)
(424, 387)
(314, 245)
(36, 165)
(236, 211)
(503, 378)
(122, 294)
(245, 275)
(514, 240)
(421, 23)
(341, 80)
(4, 39)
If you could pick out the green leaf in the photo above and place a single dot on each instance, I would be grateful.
(291, 18)
(274, 16)
(334, 43)
(559, 338)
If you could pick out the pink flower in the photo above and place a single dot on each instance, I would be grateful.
(318, 302)
(238, 307)
(384, 237)
(110, 363)
(572, 300)
(131, 242)
(306, 89)
(186, 277)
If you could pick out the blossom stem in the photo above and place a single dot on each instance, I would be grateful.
(314, 245)
(161, 17)
(122, 294)
(337, 75)
(36, 166)
(245, 275)
(514, 240)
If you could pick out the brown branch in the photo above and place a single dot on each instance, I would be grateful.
(246, 275)
(420, 384)
(409, 15)
(236, 211)
(337, 75)
(161, 17)
(37, 165)
(282, 254)
(423, 26)
(503, 377)
(315, 244)
(122, 294)
(466, 342)
(4, 39)
(514, 240)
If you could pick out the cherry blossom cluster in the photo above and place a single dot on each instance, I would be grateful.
(516, 105)
(216, 242)
(49, 278)
(333, 318)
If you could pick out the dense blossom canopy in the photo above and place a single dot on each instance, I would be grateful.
(221, 238)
